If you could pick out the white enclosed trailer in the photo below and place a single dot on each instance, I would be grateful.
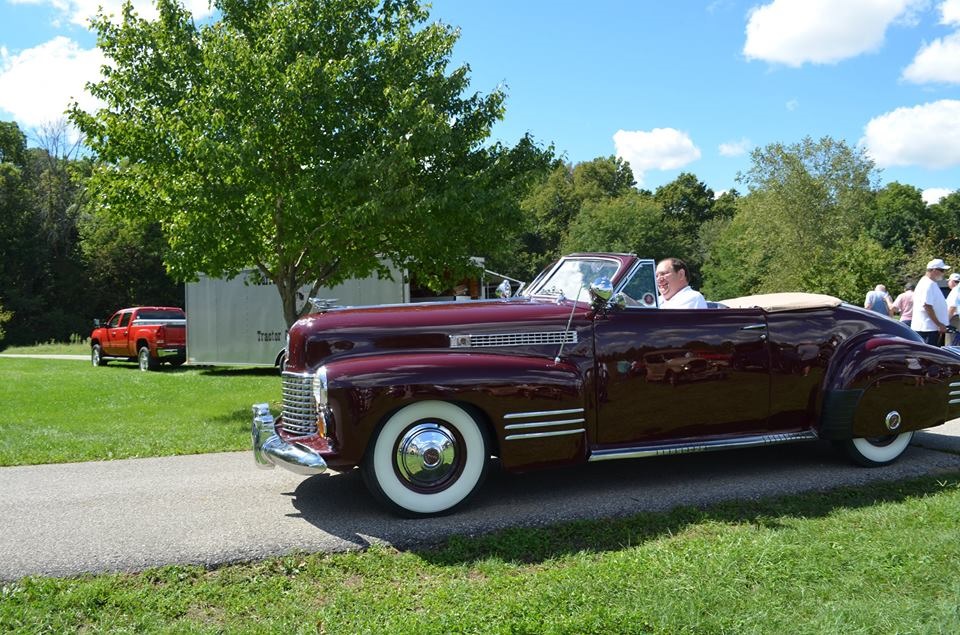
(240, 322)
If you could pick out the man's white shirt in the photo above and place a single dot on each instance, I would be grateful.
(927, 292)
(685, 298)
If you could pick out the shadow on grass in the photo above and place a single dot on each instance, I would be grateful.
(597, 507)
(245, 371)
(531, 546)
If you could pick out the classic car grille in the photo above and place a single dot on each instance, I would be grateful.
(299, 411)
(513, 339)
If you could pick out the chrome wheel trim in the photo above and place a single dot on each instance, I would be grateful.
(143, 358)
(428, 456)
(95, 355)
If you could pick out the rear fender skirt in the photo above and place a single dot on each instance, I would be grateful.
(882, 385)
(534, 407)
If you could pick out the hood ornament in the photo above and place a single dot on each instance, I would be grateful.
(322, 305)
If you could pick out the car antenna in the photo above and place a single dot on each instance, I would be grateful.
(556, 360)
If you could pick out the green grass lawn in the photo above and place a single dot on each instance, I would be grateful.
(878, 559)
(57, 411)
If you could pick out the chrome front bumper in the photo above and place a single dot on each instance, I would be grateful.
(270, 450)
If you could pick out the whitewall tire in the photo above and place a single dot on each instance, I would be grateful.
(427, 458)
(873, 452)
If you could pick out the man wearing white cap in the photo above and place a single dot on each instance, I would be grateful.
(953, 303)
(930, 317)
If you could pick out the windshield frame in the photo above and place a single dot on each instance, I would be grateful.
(540, 283)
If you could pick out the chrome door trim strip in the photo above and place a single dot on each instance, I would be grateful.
(702, 446)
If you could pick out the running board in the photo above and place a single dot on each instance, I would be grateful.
(702, 446)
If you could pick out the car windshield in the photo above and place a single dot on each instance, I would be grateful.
(573, 276)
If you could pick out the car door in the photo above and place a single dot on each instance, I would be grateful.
(117, 333)
(681, 374)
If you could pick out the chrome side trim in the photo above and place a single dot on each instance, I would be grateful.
(540, 435)
(542, 413)
(954, 393)
(953, 402)
(487, 340)
(542, 424)
(955, 384)
(702, 446)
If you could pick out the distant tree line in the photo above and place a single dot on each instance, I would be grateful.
(811, 217)
(64, 259)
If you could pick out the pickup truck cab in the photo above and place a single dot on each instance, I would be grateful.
(151, 335)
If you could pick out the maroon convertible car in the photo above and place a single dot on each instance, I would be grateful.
(574, 369)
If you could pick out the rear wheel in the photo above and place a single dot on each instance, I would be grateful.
(145, 360)
(876, 451)
(426, 459)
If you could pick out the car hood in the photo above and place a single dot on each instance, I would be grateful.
(322, 337)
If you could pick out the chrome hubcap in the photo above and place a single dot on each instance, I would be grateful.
(427, 455)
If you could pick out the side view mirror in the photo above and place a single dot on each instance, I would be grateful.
(503, 290)
(96, 323)
(601, 289)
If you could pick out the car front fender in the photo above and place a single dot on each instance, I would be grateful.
(534, 407)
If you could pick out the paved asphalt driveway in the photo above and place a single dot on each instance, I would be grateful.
(212, 509)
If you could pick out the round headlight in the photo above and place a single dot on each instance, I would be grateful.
(320, 386)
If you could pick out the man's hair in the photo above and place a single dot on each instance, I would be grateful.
(678, 265)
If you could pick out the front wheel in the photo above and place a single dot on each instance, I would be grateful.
(876, 451)
(426, 459)
(96, 356)
(145, 360)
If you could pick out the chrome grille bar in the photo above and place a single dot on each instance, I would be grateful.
(486, 340)
(299, 410)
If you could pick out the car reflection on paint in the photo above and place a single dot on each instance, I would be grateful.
(680, 365)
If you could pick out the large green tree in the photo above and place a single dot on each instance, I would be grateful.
(807, 205)
(307, 138)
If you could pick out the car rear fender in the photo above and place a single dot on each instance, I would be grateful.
(879, 385)
(533, 407)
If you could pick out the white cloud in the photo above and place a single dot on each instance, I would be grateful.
(792, 105)
(933, 195)
(657, 149)
(939, 61)
(80, 11)
(796, 32)
(735, 148)
(38, 84)
(927, 135)
(950, 12)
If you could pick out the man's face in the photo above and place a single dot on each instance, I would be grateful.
(669, 281)
(936, 274)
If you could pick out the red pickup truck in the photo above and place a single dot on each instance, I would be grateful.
(150, 334)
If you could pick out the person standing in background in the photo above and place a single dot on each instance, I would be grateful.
(930, 307)
(879, 301)
(952, 299)
(904, 303)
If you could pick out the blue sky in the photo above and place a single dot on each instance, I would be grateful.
(685, 86)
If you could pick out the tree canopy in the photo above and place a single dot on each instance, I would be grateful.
(311, 140)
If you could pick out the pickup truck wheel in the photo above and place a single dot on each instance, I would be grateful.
(426, 459)
(877, 451)
(145, 360)
(96, 356)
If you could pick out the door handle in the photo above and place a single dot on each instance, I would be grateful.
(754, 327)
